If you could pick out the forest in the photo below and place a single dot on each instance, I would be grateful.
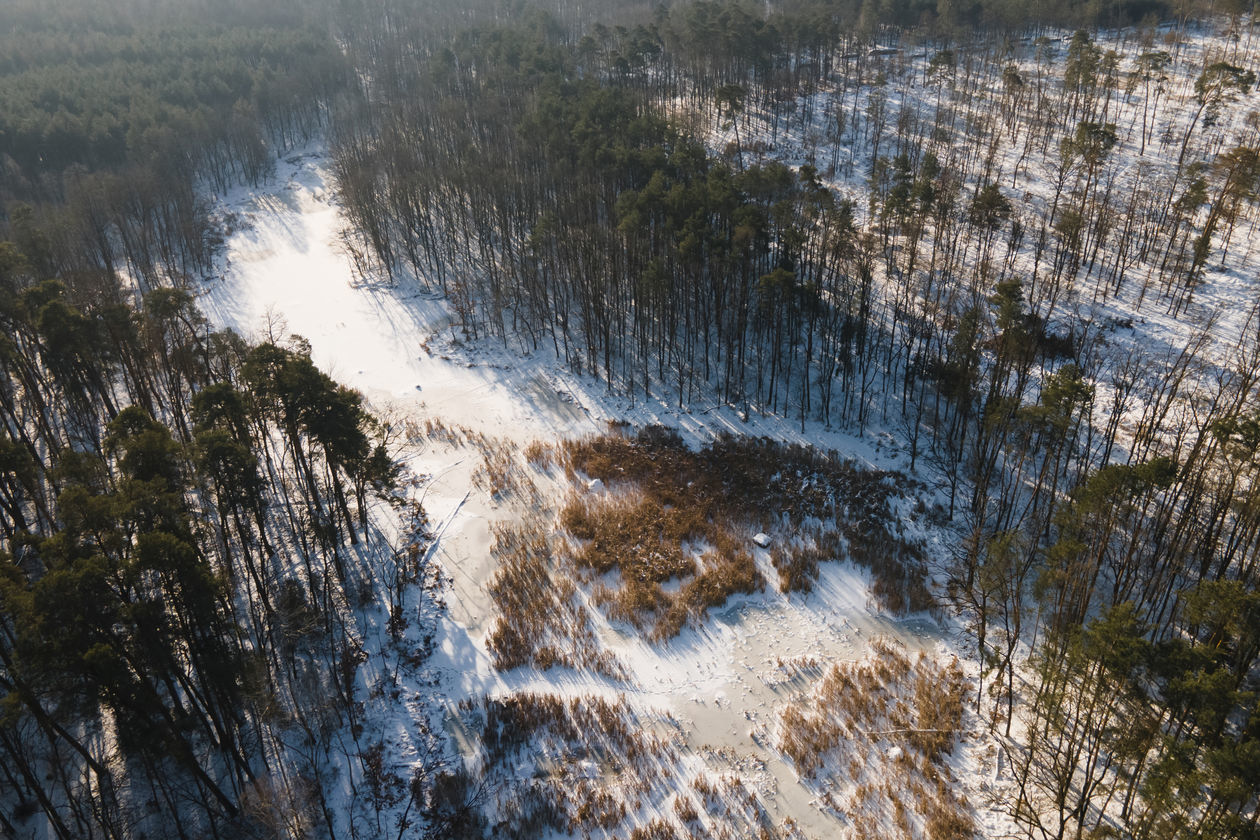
(188, 520)
(954, 221)
(568, 191)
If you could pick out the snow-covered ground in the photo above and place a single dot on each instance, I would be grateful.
(1139, 322)
(287, 273)
(723, 685)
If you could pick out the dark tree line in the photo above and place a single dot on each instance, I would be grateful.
(186, 530)
(181, 554)
(572, 212)
(112, 119)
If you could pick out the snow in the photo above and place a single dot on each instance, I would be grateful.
(287, 273)
(720, 684)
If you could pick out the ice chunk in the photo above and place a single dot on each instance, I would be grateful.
(762, 539)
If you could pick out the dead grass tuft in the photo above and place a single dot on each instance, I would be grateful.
(540, 622)
(726, 576)
(946, 818)
(587, 766)
(502, 474)
(634, 534)
(645, 543)
(538, 808)
(938, 705)
(593, 765)
(542, 456)
(596, 808)
(435, 430)
(585, 726)
(880, 729)
(685, 810)
(822, 507)
(657, 829)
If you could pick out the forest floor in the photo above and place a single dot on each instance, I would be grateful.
(717, 691)
(1139, 322)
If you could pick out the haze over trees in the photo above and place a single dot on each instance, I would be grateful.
(111, 118)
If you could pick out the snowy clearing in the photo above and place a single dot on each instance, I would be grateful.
(722, 686)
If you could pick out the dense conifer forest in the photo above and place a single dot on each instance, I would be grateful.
(187, 521)
(900, 215)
